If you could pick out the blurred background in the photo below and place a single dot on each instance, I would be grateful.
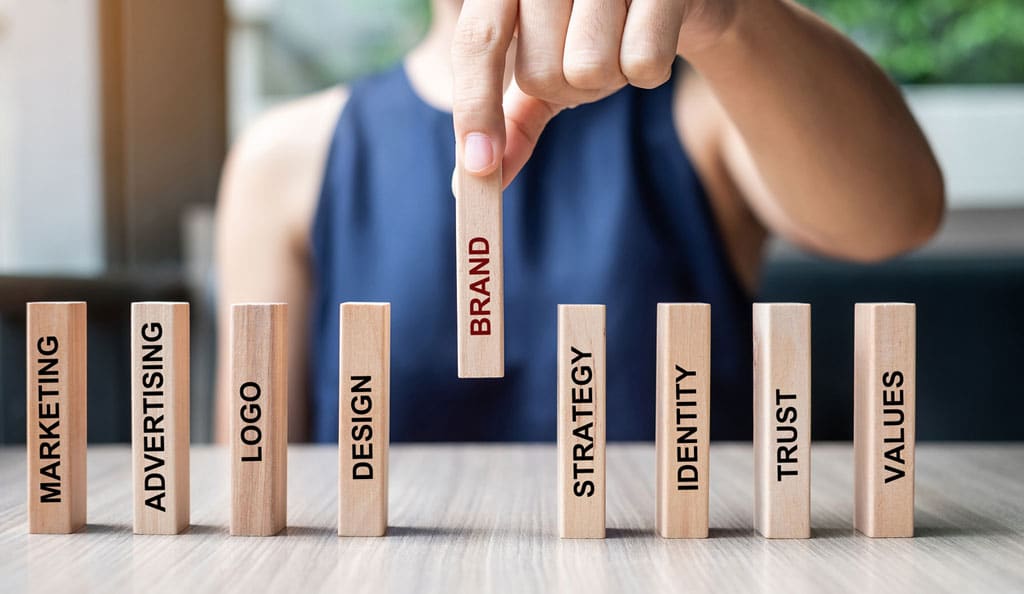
(115, 117)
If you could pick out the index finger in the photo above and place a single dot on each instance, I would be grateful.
(482, 38)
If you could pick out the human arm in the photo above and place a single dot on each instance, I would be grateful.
(817, 139)
(267, 197)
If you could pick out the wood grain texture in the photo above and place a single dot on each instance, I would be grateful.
(782, 419)
(363, 404)
(56, 411)
(581, 421)
(884, 418)
(259, 430)
(480, 275)
(480, 519)
(160, 417)
(682, 436)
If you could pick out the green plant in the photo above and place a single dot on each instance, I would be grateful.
(936, 41)
(312, 44)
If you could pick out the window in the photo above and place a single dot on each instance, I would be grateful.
(279, 49)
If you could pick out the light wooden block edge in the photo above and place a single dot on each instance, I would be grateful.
(892, 517)
(478, 214)
(592, 524)
(169, 426)
(72, 430)
(683, 340)
(770, 522)
(274, 475)
(364, 512)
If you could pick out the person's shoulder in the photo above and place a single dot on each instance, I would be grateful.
(293, 132)
(275, 167)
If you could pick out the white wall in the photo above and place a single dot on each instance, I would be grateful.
(51, 217)
(977, 133)
(6, 133)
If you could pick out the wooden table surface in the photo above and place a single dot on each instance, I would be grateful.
(481, 518)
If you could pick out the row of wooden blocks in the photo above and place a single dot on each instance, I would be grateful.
(883, 418)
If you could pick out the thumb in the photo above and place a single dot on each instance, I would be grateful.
(525, 119)
(479, 47)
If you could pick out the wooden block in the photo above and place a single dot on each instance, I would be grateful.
(480, 276)
(581, 421)
(782, 419)
(259, 428)
(683, 387)
(160, 417)
(56, 413)
(884, 418)
(363, 402)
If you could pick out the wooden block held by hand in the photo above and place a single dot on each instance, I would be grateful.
(363, 404)
(581, 421)
(56, 412)
(884, 418)
(683, 387)
(479, 274)
(160, 417)
(259, 420)
(782, 419)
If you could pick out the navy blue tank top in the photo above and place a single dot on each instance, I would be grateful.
(608, 210)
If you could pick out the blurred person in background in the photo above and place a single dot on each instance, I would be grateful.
(633, 177)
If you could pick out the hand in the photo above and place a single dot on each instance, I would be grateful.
(567, 53)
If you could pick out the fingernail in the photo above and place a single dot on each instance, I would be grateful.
(478, 153)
